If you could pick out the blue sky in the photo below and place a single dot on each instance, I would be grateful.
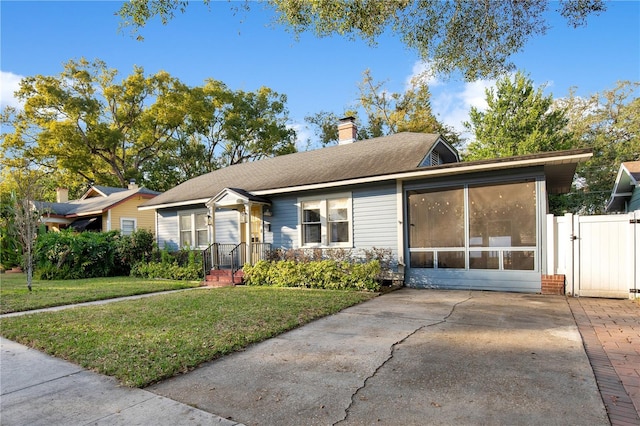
(246, 51)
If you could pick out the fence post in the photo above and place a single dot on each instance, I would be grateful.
(551, 245)
(569, 253)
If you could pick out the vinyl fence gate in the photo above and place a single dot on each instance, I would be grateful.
(599, 255)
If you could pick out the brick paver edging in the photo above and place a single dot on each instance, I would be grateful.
(620, 408)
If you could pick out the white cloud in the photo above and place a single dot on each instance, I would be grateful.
(452, 102)
(303, 135)
(9, 83)
(422, 71)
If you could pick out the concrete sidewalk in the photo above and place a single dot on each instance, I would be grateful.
(36, 389)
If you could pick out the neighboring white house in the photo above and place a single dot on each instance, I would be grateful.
(449, 224)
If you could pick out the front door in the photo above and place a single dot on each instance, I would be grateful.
(255, 218)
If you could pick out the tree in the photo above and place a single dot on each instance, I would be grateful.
(386, 113)
(87, 124)
(519, 120)
(26, 217)
(222, 127)
(609, 124)
(476, 37)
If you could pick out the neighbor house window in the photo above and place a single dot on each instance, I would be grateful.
(127, 226)
(194, 231)
(326, 222)
(474, 227)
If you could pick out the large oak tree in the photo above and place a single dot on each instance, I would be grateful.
(84, 124)
(475, 37)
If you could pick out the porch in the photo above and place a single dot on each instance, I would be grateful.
(222, 263)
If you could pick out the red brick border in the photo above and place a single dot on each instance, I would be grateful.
(553, 284)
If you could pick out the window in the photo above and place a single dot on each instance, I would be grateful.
(127, 226)
(311, 223)
(326, 222)
(194, 231)
(474, 227)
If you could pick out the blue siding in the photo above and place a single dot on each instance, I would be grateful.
(516, 281)
(375, 218)
(284, 223)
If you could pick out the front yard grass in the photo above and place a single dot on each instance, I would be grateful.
(147, 340)
(15, 297)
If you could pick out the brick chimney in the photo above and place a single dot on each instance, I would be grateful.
(133, 184)
(62, 195)
(347, 130)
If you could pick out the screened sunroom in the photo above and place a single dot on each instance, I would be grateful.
(476, 234)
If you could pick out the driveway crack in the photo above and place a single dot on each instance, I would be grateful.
(392, 353)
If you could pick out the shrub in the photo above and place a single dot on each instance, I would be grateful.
(69, 255)
(181, 265)
(325, 274)
(135, 248)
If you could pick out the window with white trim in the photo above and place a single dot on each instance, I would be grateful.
(128, 225)
(194, 231)
(326, 221)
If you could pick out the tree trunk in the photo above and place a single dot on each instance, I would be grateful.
(29, 266)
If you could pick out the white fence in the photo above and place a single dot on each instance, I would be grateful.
(597, 254)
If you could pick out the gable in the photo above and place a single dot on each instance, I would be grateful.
(440, 153)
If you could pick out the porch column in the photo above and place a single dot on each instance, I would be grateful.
(247, 228)
(212, 224)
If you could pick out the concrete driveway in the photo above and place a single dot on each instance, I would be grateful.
(410, 357)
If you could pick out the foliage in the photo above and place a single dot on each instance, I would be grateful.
(609, 124)
(10, 251)
(14, 297)
(85, 126)
(86, 123)
(134, 248)
(70, 255)
(386, 113)
(519, 120)
(180, 265)
(325, 274)
(144, 341)
(475, 37)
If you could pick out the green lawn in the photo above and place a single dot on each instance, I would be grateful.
(146, 340)
(15, 297)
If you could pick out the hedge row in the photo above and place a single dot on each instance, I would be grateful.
(172, 266)
(71, 255)
(327, 274)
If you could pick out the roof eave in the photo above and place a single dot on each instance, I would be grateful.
(174, 204)
(570, 157)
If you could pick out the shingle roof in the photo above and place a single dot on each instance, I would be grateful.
(373, 157)
(634, 169)
(93, 204)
